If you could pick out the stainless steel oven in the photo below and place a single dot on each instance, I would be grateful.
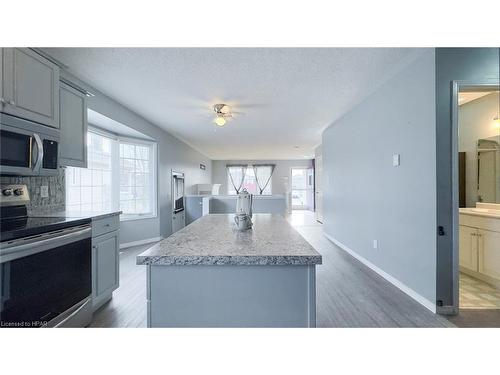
(46, 279)
(27, 148)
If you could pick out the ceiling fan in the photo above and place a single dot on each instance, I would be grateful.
(224, 113)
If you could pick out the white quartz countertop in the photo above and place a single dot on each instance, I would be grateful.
(214, 240)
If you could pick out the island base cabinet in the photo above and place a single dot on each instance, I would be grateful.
(105, 267)
(231, 296)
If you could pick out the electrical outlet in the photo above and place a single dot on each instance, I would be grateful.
(395, 160)
(375, 244)
(44, 191)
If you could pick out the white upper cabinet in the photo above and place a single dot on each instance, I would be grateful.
(29, 86)
(73, 119)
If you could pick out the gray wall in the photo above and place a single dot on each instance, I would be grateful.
(282, 171)
(172, 154)
(366, 198)
(471, 64)
(475, 121)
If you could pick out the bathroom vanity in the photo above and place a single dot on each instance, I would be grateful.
(480, 242)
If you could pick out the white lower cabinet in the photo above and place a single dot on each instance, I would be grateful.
(105, 261)
(489, 253)
(480, 252)
(468, 245)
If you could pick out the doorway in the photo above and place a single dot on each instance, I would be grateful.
(476, 202)
(302, 188)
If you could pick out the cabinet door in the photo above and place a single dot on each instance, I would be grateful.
(468, 247)
(489, 253)
(106, 265)
(73, 121)
(30, 86)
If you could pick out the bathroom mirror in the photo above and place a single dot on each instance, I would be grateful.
(488, 169)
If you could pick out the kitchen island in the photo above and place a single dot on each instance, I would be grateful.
(209, 274)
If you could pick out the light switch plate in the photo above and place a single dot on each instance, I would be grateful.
(44, 191)
(395, 160)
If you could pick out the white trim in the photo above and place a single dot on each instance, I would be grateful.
(140, 242)
(417, 297)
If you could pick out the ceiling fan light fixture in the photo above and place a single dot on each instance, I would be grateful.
(220, 121)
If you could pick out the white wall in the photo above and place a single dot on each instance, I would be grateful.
(282, 171)
(172, 154)
(475, 121)
(366, 198)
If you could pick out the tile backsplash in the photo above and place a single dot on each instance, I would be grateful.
(57, 192)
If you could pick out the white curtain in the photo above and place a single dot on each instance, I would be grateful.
(237, 175)
(263, 174)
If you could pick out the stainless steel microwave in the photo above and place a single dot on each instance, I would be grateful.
(27, 148)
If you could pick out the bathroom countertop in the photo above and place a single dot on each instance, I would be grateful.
(494, 214)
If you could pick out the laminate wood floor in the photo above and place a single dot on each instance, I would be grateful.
(348, 293)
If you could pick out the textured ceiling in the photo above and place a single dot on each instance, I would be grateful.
(287, 96)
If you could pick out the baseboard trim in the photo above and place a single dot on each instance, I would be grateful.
(404, 288)
(140, 242)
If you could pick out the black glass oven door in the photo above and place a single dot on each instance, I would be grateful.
(38, 287)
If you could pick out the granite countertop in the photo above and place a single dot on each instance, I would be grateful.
(255, 196)
(77, 214)
(214, 240)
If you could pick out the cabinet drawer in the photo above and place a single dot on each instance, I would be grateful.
(482, 222)
(105, 225)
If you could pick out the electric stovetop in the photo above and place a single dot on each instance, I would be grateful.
(14, 228)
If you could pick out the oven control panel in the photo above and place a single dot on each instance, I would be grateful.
(14, 195)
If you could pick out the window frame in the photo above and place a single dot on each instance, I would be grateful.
(154, 168)
(115, 171)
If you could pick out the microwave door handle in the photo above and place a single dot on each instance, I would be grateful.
(39, 158)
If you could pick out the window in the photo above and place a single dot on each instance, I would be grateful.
(249, 181)
(89, 189)
(121, 175)
(136, 187)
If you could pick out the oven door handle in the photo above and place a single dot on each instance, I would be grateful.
(39, 146)
(36, 244)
